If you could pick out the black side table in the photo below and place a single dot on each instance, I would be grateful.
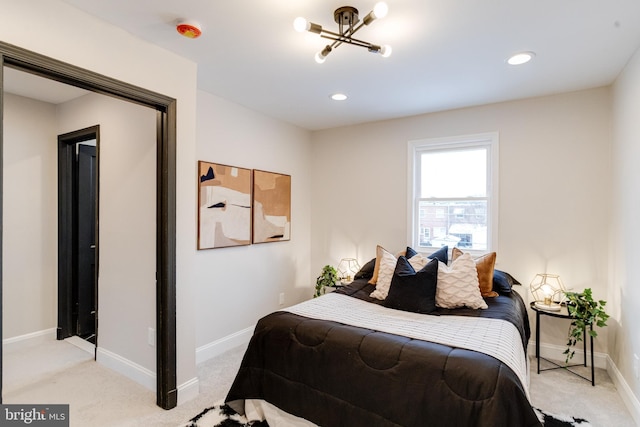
(563, 313)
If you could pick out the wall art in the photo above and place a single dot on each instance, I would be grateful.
(271, 207)
(224, 206)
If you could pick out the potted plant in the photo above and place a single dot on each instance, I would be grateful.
(585, 312)
(328, 277)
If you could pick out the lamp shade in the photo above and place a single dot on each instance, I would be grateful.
(547, 290)
(347, 269)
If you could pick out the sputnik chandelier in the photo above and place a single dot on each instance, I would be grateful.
(348, 22)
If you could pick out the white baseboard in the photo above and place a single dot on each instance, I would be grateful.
(217, 347)
(188, 390)
(44, 335)
(555, 352)
(82, 344)
(629, 399)
(129, 369)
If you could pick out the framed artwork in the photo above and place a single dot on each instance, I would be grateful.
(224, 206)
(271, 207)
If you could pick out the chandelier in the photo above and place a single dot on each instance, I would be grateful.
(348, 23)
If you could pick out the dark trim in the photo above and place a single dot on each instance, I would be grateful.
(1, 203)
(44, 66)
(167, 391)
(66, 154)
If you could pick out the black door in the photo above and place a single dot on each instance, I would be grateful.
(85, 292)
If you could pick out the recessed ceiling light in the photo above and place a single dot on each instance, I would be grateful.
(520, 58)
(338, 96)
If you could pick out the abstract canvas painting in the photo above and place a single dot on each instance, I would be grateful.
(224, 206)
(271, 207)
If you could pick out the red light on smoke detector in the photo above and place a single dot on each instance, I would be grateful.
(190, 30)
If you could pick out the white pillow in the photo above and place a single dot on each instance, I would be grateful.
(385, 274)
(418, 261)
(458, 284)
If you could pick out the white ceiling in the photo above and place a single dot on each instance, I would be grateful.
(35, 87)
(446, 53)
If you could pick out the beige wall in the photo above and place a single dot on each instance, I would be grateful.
(624, 291)
(30, 217)
(554, 188)
(127, 223)
(236, 286)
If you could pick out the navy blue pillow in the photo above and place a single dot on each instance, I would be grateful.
(366, 272)
(441, 254)
(503, 282)
(411, 290)
(410, 252)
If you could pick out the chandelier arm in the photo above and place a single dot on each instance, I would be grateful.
(338, 40)
(343, 38)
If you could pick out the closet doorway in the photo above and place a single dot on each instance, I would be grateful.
(78, 195)
(165, 210)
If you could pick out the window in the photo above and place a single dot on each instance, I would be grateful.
(453, 192)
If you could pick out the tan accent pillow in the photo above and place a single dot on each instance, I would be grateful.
(485, 265)
(379, 251)
(387, 266)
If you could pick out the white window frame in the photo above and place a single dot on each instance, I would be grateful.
(490, 141)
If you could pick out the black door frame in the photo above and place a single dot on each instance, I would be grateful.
(24, 60)
(67, 144)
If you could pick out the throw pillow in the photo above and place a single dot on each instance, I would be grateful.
(418, 261)
(410, 252)
(503, 282)
(484, 265)
(366, 272)
(386, 266)
(458, 284)
(413, 291)
(441, 254)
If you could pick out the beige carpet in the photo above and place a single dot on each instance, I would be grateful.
(58, 372)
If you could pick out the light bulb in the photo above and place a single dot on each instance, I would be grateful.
(300, 24)
(380, 10)
(385, 51)
(322, 55)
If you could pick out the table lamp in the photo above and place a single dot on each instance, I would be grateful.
(347, 269)
(548, 291)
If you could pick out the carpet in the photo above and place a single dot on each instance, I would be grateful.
(224, 416)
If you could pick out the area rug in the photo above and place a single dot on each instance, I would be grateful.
(555, 420)
(224, 416)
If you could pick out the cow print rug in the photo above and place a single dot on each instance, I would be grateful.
(224, 416)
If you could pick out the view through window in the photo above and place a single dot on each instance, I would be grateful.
(453, 200)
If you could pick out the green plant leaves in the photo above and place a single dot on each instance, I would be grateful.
(586, 312)
(328, 277)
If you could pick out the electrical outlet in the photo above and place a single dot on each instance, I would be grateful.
(281, 299)
(635, 367)
(151, 337)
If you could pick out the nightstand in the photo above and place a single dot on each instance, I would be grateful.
(563, 313)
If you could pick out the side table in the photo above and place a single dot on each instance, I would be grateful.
(563, 313)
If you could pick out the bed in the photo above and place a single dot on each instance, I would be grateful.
(348, 359)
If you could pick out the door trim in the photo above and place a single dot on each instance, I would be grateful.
(25, 60)
(66, 153)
